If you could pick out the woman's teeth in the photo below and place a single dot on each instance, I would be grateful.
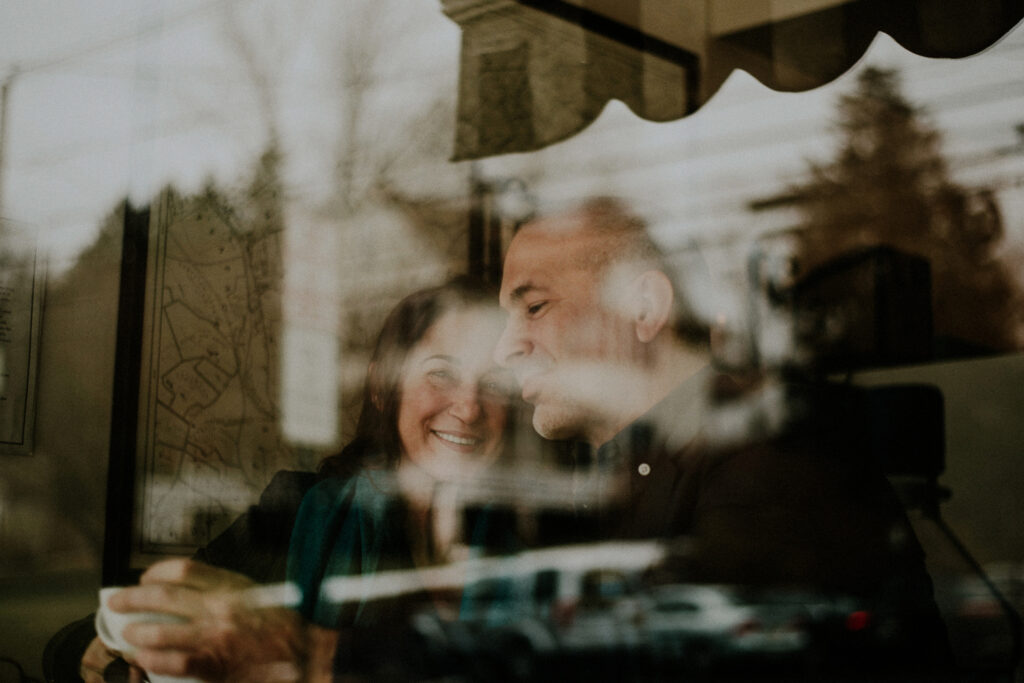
(457, 440)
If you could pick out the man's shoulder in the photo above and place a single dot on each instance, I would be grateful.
(671, 423)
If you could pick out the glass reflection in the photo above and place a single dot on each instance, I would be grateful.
(864, 304)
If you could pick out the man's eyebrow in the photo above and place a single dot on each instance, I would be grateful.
(521, 291)
(440, 356)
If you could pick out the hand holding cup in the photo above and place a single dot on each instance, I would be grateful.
(111, 624)
(186, 618)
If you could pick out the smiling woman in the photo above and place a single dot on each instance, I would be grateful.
(433, 355)
(435, 414)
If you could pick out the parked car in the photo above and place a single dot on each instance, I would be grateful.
(592, 612)
(702, 626)
(572, 607)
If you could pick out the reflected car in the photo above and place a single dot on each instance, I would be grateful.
(703, 626)
(521, 627)
(575, 607)
(575, 614)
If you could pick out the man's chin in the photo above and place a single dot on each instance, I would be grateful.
(555, 425)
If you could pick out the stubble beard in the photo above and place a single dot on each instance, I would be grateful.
(559, 420)
(576, 402)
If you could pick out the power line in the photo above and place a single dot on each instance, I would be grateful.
(155, 26)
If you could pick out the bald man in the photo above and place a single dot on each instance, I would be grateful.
(606, 351)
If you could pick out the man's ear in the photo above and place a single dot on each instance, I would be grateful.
(652, 298)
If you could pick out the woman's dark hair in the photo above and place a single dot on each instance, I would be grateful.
(405, 326)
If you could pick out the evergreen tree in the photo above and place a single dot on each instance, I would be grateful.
(889, 185)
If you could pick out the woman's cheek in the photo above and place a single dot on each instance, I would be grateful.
(497, 419)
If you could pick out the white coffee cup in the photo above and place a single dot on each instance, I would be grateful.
(110, 627)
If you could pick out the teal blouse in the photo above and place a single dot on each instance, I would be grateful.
(358, 526)
(345, 527)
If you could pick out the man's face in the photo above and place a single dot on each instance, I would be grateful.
(569, 346)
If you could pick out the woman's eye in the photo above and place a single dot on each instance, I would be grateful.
(441, 375)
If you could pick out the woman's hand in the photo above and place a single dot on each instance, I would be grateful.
(228, 634)
(100, 664)
(95, 659)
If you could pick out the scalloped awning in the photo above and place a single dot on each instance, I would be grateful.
(534, 72)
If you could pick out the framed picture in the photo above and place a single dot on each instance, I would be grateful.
(22, 283)
(197, 431)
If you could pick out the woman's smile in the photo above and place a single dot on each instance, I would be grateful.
(456, 440)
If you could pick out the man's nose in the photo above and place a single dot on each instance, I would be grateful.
(466, 404)
(512, 345)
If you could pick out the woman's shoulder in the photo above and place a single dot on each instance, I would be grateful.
(369, 488)
(338, 511)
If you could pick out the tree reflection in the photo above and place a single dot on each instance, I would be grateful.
(889, 184)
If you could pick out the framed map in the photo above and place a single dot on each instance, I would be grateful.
(199, 383)
(209, 436)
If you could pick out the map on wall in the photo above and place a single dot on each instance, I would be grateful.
(209, 430)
